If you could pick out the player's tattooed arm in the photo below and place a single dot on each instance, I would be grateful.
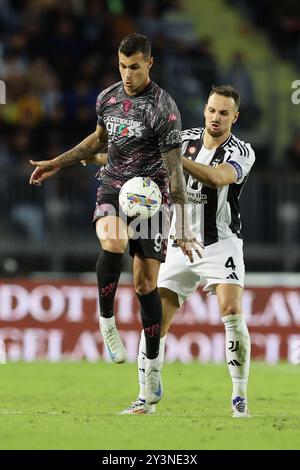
(90, 146)
(184, 236)
(99, 159)
(173, 164)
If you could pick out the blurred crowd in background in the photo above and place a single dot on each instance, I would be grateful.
(281, 20)
(55, 58)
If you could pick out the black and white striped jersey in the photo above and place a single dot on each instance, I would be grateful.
(214, 214)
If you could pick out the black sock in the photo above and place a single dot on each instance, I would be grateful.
(108, 270)
(151, 314)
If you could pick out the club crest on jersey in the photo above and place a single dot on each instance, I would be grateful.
(127, 105)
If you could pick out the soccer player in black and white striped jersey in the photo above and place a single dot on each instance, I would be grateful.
(217, 165)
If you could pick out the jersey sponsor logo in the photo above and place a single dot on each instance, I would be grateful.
(173, 137)
(194, 184)
(123, 127)
(197, 198)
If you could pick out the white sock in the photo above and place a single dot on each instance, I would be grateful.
(141, 365)
(237, 349)
(157, 362)
(2, 352)
(106, 322)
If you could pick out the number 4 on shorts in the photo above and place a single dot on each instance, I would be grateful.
(230, 263)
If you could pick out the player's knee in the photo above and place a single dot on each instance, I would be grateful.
(144, 285)
(112, 234)
(115, 246)
(230, 308)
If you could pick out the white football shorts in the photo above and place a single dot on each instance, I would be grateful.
(221, 263)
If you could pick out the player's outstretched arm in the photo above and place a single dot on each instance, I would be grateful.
(185, 238)
(214, 177)
(91, 145)
(99, 159)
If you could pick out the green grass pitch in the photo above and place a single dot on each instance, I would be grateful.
(76, 405)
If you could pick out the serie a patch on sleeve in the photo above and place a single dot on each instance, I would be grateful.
(237, 168)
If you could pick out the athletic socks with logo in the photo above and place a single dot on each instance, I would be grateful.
(108, 270)
(151, 315)
(237, 349)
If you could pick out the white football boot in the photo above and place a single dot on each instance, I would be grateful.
(113, 343)
(240, 408)
(153, 383)
(139, 407)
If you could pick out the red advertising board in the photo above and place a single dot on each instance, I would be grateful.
(57, 320)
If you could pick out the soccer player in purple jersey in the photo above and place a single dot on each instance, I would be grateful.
(140, 125)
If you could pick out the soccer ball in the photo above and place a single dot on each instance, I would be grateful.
(140, 197)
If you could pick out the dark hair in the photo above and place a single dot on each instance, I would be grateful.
(135, 43)
(228, 91)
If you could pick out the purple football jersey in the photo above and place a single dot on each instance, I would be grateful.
(139, 129)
